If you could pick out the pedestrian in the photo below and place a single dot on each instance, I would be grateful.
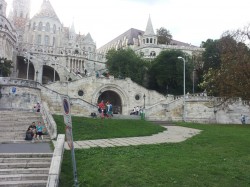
(243, 119)
(101, 108)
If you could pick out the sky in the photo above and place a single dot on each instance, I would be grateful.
(190, 21)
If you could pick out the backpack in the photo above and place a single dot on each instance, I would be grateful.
(28, 136)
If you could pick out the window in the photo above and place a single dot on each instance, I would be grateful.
(34, 26)
(137, 97)
(152, 53)
(151, 40)
(147, 41)
(89, 48)
(38, 39)
(80, 93)
(21, 14)
(54, 28)
(47, 28)
(46, 40)
(40, 26)
(54, 41)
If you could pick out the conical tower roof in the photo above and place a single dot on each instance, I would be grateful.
(149, 29)
(47, 10)
(88, 38)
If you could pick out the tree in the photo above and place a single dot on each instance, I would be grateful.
(5, 67)
(232, 77)
(164, 36)
(126, 63)
(166, 74)
(211, 55)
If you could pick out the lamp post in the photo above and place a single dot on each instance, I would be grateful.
(184, 88)
(37, 75)
(144, 96)
(55, 70)
(28, 66)
(1, 72)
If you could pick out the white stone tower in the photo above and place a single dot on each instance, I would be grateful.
(21, 16)
(149, 37)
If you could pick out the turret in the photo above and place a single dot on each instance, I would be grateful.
(149, 36)
(3, 6)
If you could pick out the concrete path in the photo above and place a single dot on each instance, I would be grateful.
(173, 134)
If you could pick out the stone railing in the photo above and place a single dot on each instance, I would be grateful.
(55, 166)
(18, 82)
(49, 120)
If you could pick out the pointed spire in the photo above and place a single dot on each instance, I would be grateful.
(149, 29)
(72, 27)
(88, 38)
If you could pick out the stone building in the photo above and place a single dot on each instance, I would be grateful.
(8, 35)
(47, 50)
(145, 43)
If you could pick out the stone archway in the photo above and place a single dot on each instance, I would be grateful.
(23, 66)
(48, 75)
(113, 98)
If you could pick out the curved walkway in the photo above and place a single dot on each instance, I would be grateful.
(173, 134)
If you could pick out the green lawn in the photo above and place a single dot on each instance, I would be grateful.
(218, 157)
(89, 128)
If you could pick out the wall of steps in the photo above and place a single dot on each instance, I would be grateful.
(24, 169)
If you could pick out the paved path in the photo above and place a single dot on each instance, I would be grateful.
(173, 134)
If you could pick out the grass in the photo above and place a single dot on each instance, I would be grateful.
(218, 157)
(89, 128)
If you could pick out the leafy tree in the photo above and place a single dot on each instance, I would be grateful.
(126, 63)
(211, 56)
(166, 74)
(5, 67)
(164, 36)
(232, 77)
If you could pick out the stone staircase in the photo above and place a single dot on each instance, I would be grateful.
(22, 163)
(23, 170)
(14, 124)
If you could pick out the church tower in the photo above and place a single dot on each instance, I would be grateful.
(3, 6)
(149, 37)
(21, 16)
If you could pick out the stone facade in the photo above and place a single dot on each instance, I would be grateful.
(8, 35)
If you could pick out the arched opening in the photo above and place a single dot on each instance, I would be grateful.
(114, 99)
(24, 65)
(48, 75)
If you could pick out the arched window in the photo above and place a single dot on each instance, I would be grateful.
(54, 28)
(47, 28)
(38, 39)
(147, 41)
(40, 26)
(34, 26)
(151, 40)
(46, 40)
(152, 53)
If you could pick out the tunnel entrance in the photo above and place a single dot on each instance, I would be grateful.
(114, 99)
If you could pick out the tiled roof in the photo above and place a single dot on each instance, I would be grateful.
(47, 10)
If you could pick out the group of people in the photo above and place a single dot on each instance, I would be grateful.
(136, 110)
(35, 132)
(105, 109)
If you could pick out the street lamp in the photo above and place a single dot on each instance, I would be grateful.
(28, 66)
(55, 70)
(37, 75)
(1, 72)
(144, 96)
(184, 88)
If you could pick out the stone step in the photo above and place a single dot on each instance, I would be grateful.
(34, 183)
(24, 177)
(19, 141)
(25, 165)
(24, 171)
(164, 123)
(26, 155)
(23, 160)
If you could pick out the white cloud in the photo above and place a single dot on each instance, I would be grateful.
(191, 21)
